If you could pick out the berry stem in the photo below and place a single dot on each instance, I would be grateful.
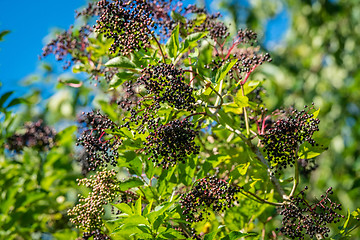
(259, 198)
(245, 113)
(159, 45)
(219, 97)
(296, 179)
(198, 113)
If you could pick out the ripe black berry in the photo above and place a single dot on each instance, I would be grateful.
(37, 135)
(282, 141)
(302, 218)
(207, 193)
(171, 143)
(101, 147)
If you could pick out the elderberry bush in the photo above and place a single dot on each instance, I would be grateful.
(181, 100)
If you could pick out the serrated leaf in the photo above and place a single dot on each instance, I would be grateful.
(131, 183)
(242, 101)
(123, 207)
(120, 62)
(172, 44)
(223, 70)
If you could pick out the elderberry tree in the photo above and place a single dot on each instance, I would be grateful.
(184, 147)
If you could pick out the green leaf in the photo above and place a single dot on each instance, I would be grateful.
(4, 97)
(137, 207)
(249, 86)
(131, 183)
(172, 44)
(191, 41)
(157, 223)
(223, 70)
(70, 81)
(345, 225)
(120, 62)
(234, 235)
(242, 101)
(120, 78)
(177, 17)
(242, 168)
(316, 113)
(171, 234)
(123, 207)
(306, 151)
(3, 34)
(147, 209)
(159, 210)
(16, 101)
(136, 220)
(212, 235)
(232, 107)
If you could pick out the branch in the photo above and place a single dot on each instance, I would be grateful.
(260, 157)
(159, 45)
(261, 199)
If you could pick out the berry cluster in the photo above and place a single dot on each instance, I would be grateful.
(158, 85)
(100, 146)
(282, 141)
(207, 193)
(165, 83)
(216, 29)
(128, 23)
(96, 235)
(37, 135)
(104, 189)
(247, 36)
(171, 143)
(300, 217)
(70, 42)
(248, 60)
(92, 9)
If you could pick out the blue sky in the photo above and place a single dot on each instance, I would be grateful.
(31, 21)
